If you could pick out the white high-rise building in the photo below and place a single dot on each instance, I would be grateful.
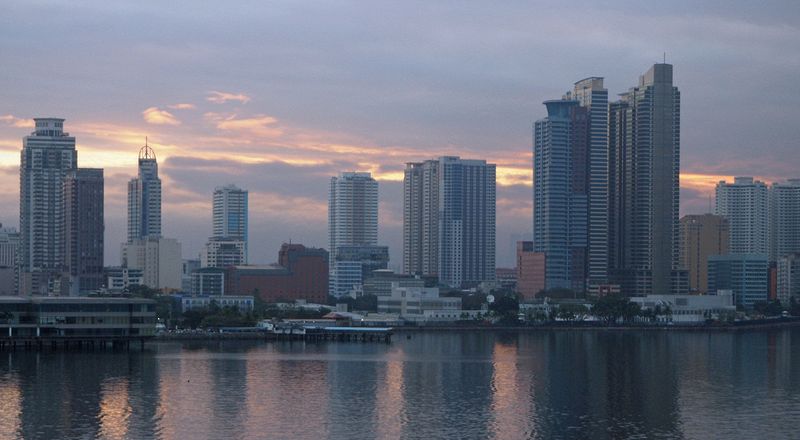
(784, 219)
(788, 283)
(449, 220)
(352, 218)
(745, 203)
(48, 154)
(158, 258)
(230, 213)
(144, 198)
(228, 244)
(352, 210)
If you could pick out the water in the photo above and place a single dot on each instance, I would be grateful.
(537, 385)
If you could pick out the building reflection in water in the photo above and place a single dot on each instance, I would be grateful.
(513, 391)
(115, 408)
(11, 401)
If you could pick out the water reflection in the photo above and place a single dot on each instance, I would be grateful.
(546, 385)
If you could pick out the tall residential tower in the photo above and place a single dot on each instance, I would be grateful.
(452, 201)
(48, 154)
(644, 189)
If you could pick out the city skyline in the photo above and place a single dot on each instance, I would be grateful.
(253, 127)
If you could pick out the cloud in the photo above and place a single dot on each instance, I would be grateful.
(154, 115)
(17, 122)
(259, 125)
(223, 97)
(182, 106)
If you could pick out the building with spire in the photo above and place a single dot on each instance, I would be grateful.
(144, 198)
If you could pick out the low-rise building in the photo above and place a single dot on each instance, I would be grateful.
(121, 279)
(380, 282)
(95, 317)
(420, 303)
(301, 273)
(788, 278)
(744, 274)
(208, 281)
(506, 278)
(185, 303)
(688, 309)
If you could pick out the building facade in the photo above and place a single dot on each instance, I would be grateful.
(561, 194)
(746, 275)
(48, 154)
(208, 281)
(9, 243)
(353, 210)
(784, 219)
(420, 218)
(702, 236)
(84, 230)
(591, 95)
(467, 197)
(223, 253)
(745, 203)
(230, 216)
(530, 270)
(121, 279)
(301, 273)
(644, 190)
(354, 264)
(144, 199)
(158, 258)
(788, 278)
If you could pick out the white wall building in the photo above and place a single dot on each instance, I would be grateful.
(224, 253)
(420, 303)
(158, 258)
(690, 309)
(789, 278)
(745, 203)
(119, 279)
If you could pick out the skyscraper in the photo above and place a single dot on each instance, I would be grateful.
(84, 230)
(228, 244)
(352, 221)
(561, 193)
(644, 164)
(230, 213)
(745, 203)
(701, 237)
(591, 95)
(784, 219)
(48, 154)
(144, 198)
(449, 220)
(353, 210)
(420, 218)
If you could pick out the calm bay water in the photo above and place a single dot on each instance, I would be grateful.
(538, 385)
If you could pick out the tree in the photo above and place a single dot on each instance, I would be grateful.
(612, 308)
(572, 312)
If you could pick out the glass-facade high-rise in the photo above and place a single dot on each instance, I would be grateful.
(591, 95)
(144, 199)
(561, 193)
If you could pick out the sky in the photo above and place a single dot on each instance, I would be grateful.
(277, 97)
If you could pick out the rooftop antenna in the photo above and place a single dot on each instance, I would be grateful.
(665, 58)
(709, 204)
